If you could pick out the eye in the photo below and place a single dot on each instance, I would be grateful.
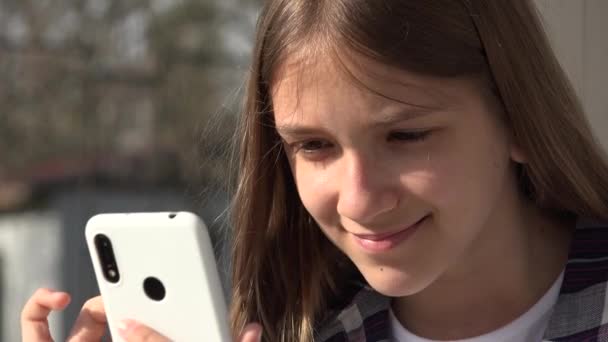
(412, 136)
(313, 145)
(312, 150)
(308, 146)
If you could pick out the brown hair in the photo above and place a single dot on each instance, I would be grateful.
(284, 269)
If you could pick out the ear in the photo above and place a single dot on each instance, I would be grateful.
(517, 154)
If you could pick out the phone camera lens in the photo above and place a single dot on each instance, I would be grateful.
(106, 257)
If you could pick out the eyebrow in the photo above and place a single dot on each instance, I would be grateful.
(398, 114)
(294, 130)
(401, 113)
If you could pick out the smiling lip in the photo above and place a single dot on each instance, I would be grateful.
(384, 242)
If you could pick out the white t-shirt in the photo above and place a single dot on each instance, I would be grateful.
(528, 327)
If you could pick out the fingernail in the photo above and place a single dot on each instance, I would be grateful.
(125, 327)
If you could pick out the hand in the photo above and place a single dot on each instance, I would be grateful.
(34, 323)
(140, 333)
(90, 324)
(132, 331)
(251, 333)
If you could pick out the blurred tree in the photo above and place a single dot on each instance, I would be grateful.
(91, 78)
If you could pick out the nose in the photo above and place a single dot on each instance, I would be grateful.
(367, 189)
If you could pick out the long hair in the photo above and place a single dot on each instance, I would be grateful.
(285, 272)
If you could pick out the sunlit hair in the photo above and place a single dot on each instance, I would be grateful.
(285, 272)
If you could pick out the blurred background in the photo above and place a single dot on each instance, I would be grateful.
(130, 105)
(109, 106)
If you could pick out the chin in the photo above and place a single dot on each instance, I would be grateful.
(394, 283)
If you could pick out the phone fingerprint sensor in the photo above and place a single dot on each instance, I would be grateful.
(154, 289)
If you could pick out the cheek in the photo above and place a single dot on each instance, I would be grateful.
(434, 187)
(459, 175)
(469, 181)
(317, 192)
(430, 174)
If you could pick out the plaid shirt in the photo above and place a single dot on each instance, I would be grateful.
(580, 314)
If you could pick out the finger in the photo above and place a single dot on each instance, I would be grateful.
(34, 323)
(132, 331)
(91, 322)
(251, 333)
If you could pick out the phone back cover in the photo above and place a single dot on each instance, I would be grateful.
(176, 251)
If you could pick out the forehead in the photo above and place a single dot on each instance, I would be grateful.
(301, 81)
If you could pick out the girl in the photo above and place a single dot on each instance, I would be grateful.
(409, 171)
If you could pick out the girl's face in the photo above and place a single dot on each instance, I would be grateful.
(411, 188)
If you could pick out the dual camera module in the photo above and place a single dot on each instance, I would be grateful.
(152, 286)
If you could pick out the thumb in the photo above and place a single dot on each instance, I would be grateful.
(132, 331)
(251, 333)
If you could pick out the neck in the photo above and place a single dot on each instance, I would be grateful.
(507, 270)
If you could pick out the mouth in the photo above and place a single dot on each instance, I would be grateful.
(386, 241)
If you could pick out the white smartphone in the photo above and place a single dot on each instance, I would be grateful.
(158, 269)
